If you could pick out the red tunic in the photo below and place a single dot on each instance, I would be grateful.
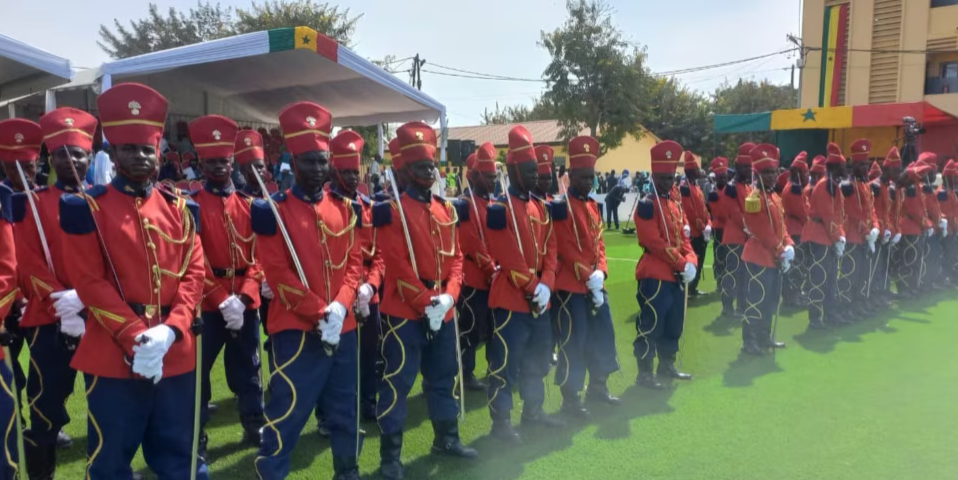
(8, 271)
(227, 233)
(860, 216)
(520, 273)
(156, 252)
(884, 206)
(667, 251)
(765, 218)
(796, 208)
(913, 219)
(733, 204)
(372, 261)
(932, 207)
(37, 282)
(431, 220)
(693, 206)
(478, 266)
(949, 208)
(577, 259)
(826, 214)
(324, 231)
(715, 204)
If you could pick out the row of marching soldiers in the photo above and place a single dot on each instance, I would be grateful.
(843, 232)
(139, 286)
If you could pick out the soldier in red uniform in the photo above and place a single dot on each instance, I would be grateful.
(141, 279)
(949, 208)
(53, 315)
(696, 216)
(768, 254)
(861, 231)
(231, 291)
(667, 267)
(734, 237)
(887, 203)
(314, 276)
(347, 148)
(796, 215)
(825, 236)
(544, 157)
(719, 168)
(478, 267)
(584, 327)
(914, 226)
(931, 266)
(423, 262)
(8, 296)
(521, 240)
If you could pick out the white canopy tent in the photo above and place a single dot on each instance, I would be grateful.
(252, 76)
(25, 69)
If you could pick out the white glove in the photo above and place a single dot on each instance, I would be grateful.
(689, 273)
(148, 367)
(332, 325)
(444, 302)
(365, 294)
(873, 236)
(266, 292)
(786, 265)
(707, 233)
(150, 349)
(929, 232)
(67, 302)
(598, 298)
(943, 225)
(788, 254)
(72, 325)
(232, 309)
(596, 281)
(747, 231)
(364, 310)
(435, 316)
(896, 239)
(687, 231)
(840, 247)
(886, 237)
(542, 295)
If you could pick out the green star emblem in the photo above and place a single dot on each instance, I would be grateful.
(808, 115)
(305, 40)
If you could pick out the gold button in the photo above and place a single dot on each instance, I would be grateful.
(156, 290)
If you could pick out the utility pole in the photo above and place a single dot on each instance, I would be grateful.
(415, 73)
(800, 63)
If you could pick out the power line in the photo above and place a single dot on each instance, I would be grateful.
(723, 64)
(476, 77)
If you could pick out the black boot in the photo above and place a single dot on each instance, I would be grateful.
(646, 377)
(750, 343)
(63, 440)
(252, 431)
(770, 342)
(817, 325)
(667, 369)
(41, 461)
(503, 430)
(572, 406)
(473, 384)
(345, 468)
(390, 455)
(534, 415)
(599, 392)
(447, 441)
(201, 447)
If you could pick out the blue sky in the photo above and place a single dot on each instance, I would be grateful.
(491, 36)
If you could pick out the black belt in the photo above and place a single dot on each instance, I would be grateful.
(228, 272)
(431, 285)
(817, 220)
(140, 309)
(368, 263)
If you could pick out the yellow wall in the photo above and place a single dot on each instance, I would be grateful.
(911, 79)
(857, 73)
(882, 138)
(813, 25)
(942, 21)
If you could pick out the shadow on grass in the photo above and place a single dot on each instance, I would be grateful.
(743, 371)
(615, 422)
(723, 325)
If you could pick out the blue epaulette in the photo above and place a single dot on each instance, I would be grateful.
(194, 209)
(462, 209)
(76, 218)
(382, 214)
(796, 189)
(911, 191)
(848, 189)
(559, 211)
(364, 199)
(830, 187)
(731, 191)
(892, 192)
(927, 188)
(17, 209)
(645, 209)
(191, 193)
(685, 190)
(358, 210)
(713, 196)
(496, 216)
(261, 216)
(380, 197)
(876, 189)
(942, 196)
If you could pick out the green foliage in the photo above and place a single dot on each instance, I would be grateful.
(541, 109)
(212, 21)
(681, 114)
(597, 80)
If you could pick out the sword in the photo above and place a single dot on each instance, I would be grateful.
(533, 307)
(36, 217)
(778, 300)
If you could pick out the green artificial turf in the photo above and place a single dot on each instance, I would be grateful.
(876, 400)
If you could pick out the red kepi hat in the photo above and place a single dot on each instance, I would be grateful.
(764, 157)
(860, 150)
(719, 165)
(68, 126)
(396, 153)
(417, 141)
(818, 165)
(347, 147)
(520, 146)
(213, 136)
(544, 156)
(744, 154)
(874, 172)
(486, 158)
(306, 127)
(582, 152)
(131, 113)
(834, 155)
(800, 163)
(893, 159)
(248, 147)
(665, 156)
(690, 162)
(20, 140)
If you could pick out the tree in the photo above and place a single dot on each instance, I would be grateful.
(680, 114)
(541, 110)
(597, 80)
(749, 96)
(212, 21)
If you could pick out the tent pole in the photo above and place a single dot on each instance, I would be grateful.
(381, 150)
(50, 100)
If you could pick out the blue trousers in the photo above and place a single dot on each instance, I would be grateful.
(822, 278)
(718, 256)
(910, 259)
(8, 467)
(519, 353)
(124, 414)
(304, 375)
(586, 340)
(661, 319)
(49, 384)
(733, 282)
(407, 352)
(370, 362)
(473, 308)
(853, 272)
(241, 362)
(881, 268)
(267, 345)
(764, 289)
(934, 260)
(794, 284)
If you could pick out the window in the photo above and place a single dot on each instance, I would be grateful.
(943, 3)
(949, 70)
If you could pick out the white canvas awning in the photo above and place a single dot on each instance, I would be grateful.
(25, 69)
